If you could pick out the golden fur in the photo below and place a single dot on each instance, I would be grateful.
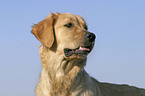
(64, 75)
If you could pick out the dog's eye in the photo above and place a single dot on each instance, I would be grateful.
(69, 25)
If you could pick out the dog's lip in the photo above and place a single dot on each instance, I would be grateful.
(80, 50)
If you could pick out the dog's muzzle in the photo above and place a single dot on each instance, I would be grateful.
(82, 50)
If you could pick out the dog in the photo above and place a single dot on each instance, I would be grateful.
(66, 42)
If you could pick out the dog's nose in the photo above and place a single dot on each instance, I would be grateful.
(90, 36)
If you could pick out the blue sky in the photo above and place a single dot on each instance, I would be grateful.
(118, 55)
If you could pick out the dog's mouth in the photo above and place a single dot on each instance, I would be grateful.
(82, 50)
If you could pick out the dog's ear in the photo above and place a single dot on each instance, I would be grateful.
(44, 30)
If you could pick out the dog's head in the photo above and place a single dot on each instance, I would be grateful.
(66, 33)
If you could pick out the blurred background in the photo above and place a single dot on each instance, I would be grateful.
(119, 52)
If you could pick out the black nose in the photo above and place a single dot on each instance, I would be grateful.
(90, 36)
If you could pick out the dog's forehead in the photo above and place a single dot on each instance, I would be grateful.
(70, 17)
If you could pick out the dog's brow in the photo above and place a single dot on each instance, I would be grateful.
(78, 21)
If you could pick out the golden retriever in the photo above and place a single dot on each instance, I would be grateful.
(66, 42)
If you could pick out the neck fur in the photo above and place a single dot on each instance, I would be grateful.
(60, 73)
